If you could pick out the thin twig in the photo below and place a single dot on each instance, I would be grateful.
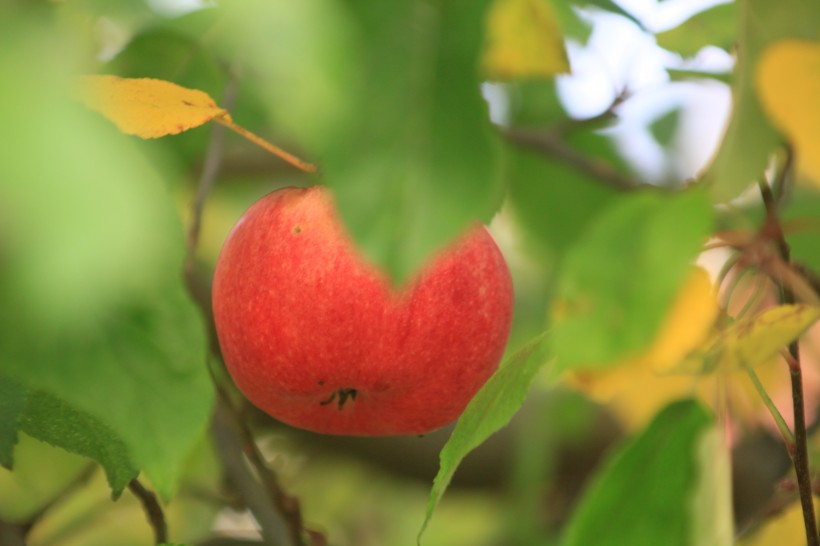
(799, 455)
(153, 510)
(287, 505)
(779, 420)
(12, 534)
(549, 143)
(210, 172)
(276, 521)
(78, 482)
(262, 143)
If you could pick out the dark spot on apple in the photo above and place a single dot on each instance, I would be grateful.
(297, 230)
(343, 394)
(321, 382)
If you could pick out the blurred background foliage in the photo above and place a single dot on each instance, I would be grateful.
(574, 128)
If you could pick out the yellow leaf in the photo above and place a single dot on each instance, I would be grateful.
(152, 108)
(785, 528)
(788, 81)
(523, 40)
(687, 324)
(753, 340)
(638, 387)
(147, 107)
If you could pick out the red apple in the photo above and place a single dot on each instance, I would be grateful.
(316, 336)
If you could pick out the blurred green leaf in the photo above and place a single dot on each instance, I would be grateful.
(534, 103)
(660, 488)
(94, 311)
(41, 473)
(750, 139)
(612, 7)
(665, 127)
(803, 212)
(677, 75)
(522, 40)
(51, 420)
(752, 340)
(490, 410)
(572, 25)
(618, 280)
(418, 161)
(553, 201)
(386, 95)
(140, 371)
(715, 26)
(12, 402)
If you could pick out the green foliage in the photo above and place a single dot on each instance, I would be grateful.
(95, 314)
(665, 127)
(621, 276)
(680, 437)
(104, 353)
(50, 420)
(716, 26)
(12, 402)
(750, 139)
(491, 409)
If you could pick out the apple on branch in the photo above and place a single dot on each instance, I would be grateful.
(316, 336)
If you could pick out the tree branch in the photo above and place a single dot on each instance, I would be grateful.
(153, 510)
(549, 143)
(210, 171)
(228, 441)
(799, 453)
(276, 513)
(12, 534)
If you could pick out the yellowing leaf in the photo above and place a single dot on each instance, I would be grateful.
(786, 528)
(147, 107)
(753, 340)
(151, 108)
(523, 40)
(640, 386)
(689, 320)
(788, 80)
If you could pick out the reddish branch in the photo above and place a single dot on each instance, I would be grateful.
(153, 510)
(799, 451)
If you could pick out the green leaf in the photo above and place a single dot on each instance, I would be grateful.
(12, 402)
(94, 310)
(540, 189)
(51, 420)
(617, 282)
(752, 340)
(572, 25)
(679, 75)
(665, 127)
(418, 160)
(387, 96)
(715, 26)
(140, 371)
(490, 410)
(612, 7)
(659, 488)
(523, 40)
(41, 473)
(750, 138)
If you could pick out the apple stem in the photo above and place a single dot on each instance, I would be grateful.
(344, 395)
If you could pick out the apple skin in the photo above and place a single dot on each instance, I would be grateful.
(315, 335)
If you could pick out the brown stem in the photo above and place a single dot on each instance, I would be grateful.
(551, 144)
(799, 453)
(210, 171)
(228, 442)
(153, 510)
(257, 486)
